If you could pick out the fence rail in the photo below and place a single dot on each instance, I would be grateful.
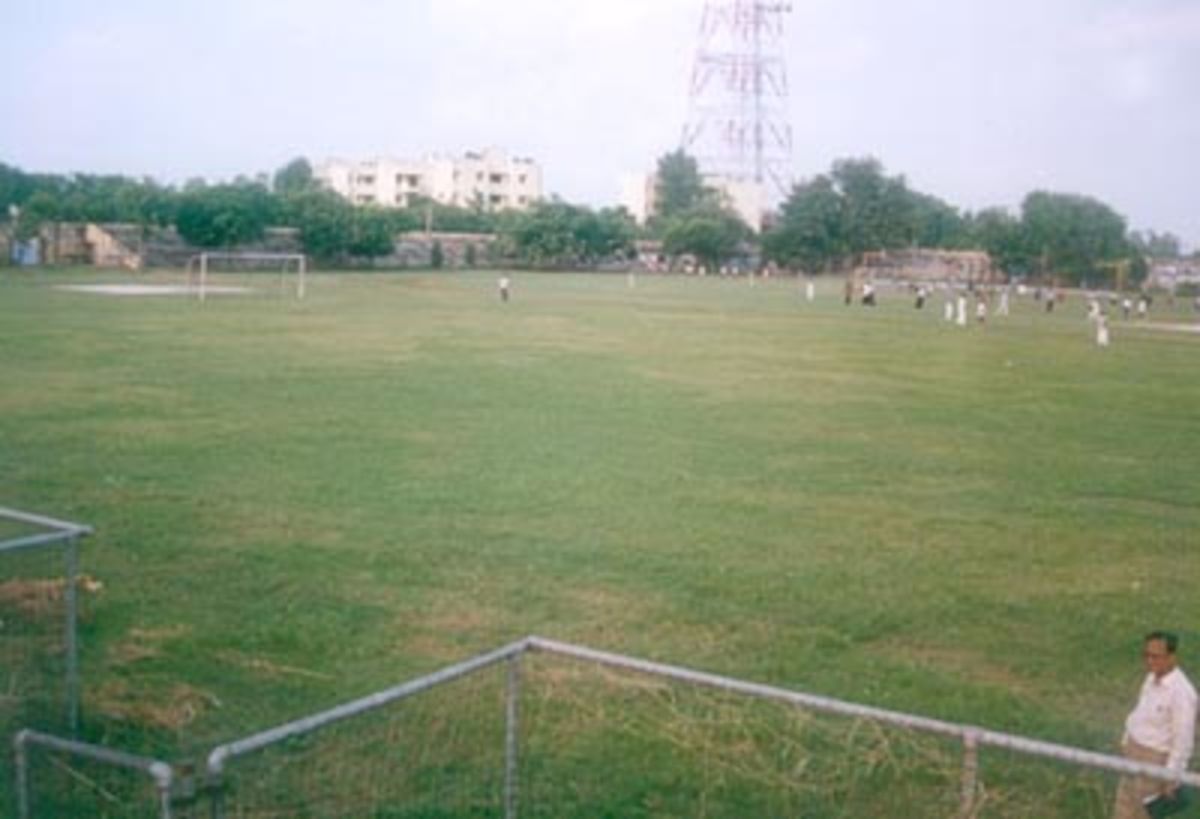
(314, 761)
(156, 771)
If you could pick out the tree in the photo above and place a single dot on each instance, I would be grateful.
(1158, 245)
(1001, 235)
(225, 215)
(878, 211)
(558, 234)
(1072, 236)
(809, 232)
(371, 233)
(679, 186)
(294, 177)
(709, 232)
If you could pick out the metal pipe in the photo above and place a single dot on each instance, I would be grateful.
(72, 604)
(511, 714)
(995, 739)
(218, 756)
(41, 539)
(21, 763)
(970, 775)
(42, 520)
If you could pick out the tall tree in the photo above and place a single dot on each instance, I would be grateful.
(679, 185)
(294, 177)
(809, 231)
(1071, 236)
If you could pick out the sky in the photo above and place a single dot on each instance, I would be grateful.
(976, 102)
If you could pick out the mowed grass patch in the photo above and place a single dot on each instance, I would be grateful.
(313, 500)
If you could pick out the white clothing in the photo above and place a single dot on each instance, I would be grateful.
(810, 291)
(949, 311)
(962, 311)
(1101, 331)
(1164, 718)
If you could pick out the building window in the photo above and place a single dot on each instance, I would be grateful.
(496, 178)
(365, 179)
(521, 179)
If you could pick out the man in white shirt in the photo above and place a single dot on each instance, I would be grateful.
(1161, 728)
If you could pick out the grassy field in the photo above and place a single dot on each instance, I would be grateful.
(300, 502)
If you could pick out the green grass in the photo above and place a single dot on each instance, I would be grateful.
(300, 502)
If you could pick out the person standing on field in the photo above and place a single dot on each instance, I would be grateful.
(1161, 728)
(504, 286)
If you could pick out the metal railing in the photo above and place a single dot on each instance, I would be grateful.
(78, 795)
(236, 785)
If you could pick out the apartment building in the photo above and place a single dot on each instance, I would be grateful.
(491, 179)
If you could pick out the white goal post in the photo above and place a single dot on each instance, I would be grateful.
(198, 268)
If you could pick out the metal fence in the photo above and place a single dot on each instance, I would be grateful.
(543, 728)
(62, 777)
(39, 618)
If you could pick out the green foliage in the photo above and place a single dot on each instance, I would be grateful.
(557, 234)
(809, 234)
(1000, 234)
(711, 233)
(437, 256)
(1157, 245)
(225, 215)
(294, 177)
(1071, 236)
(679, 186)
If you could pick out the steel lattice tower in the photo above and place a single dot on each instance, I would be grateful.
(737, 124)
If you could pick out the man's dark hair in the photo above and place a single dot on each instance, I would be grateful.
(1169, 638)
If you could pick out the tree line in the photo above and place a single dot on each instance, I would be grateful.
(825, 224)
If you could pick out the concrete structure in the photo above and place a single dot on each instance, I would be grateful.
(929, 265)
(1169, 274)
(491, 179)
(745, 197)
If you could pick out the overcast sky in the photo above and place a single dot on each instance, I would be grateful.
(975, 101)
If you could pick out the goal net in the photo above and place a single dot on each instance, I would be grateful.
(218, 273)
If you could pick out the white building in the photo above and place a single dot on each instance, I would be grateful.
(490, 178)
(745, 197)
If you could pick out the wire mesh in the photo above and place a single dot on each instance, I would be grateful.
(437, 753)
(613, 743)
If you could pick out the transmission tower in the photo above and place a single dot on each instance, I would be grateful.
(737, 125)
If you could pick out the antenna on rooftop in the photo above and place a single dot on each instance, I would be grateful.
(737, 125)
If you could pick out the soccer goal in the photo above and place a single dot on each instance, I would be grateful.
(212, 273)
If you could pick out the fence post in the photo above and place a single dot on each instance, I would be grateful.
(21, 763)
(72, 602)
(970, 774)
(215, 781)
(163, 780)
(512, 697)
